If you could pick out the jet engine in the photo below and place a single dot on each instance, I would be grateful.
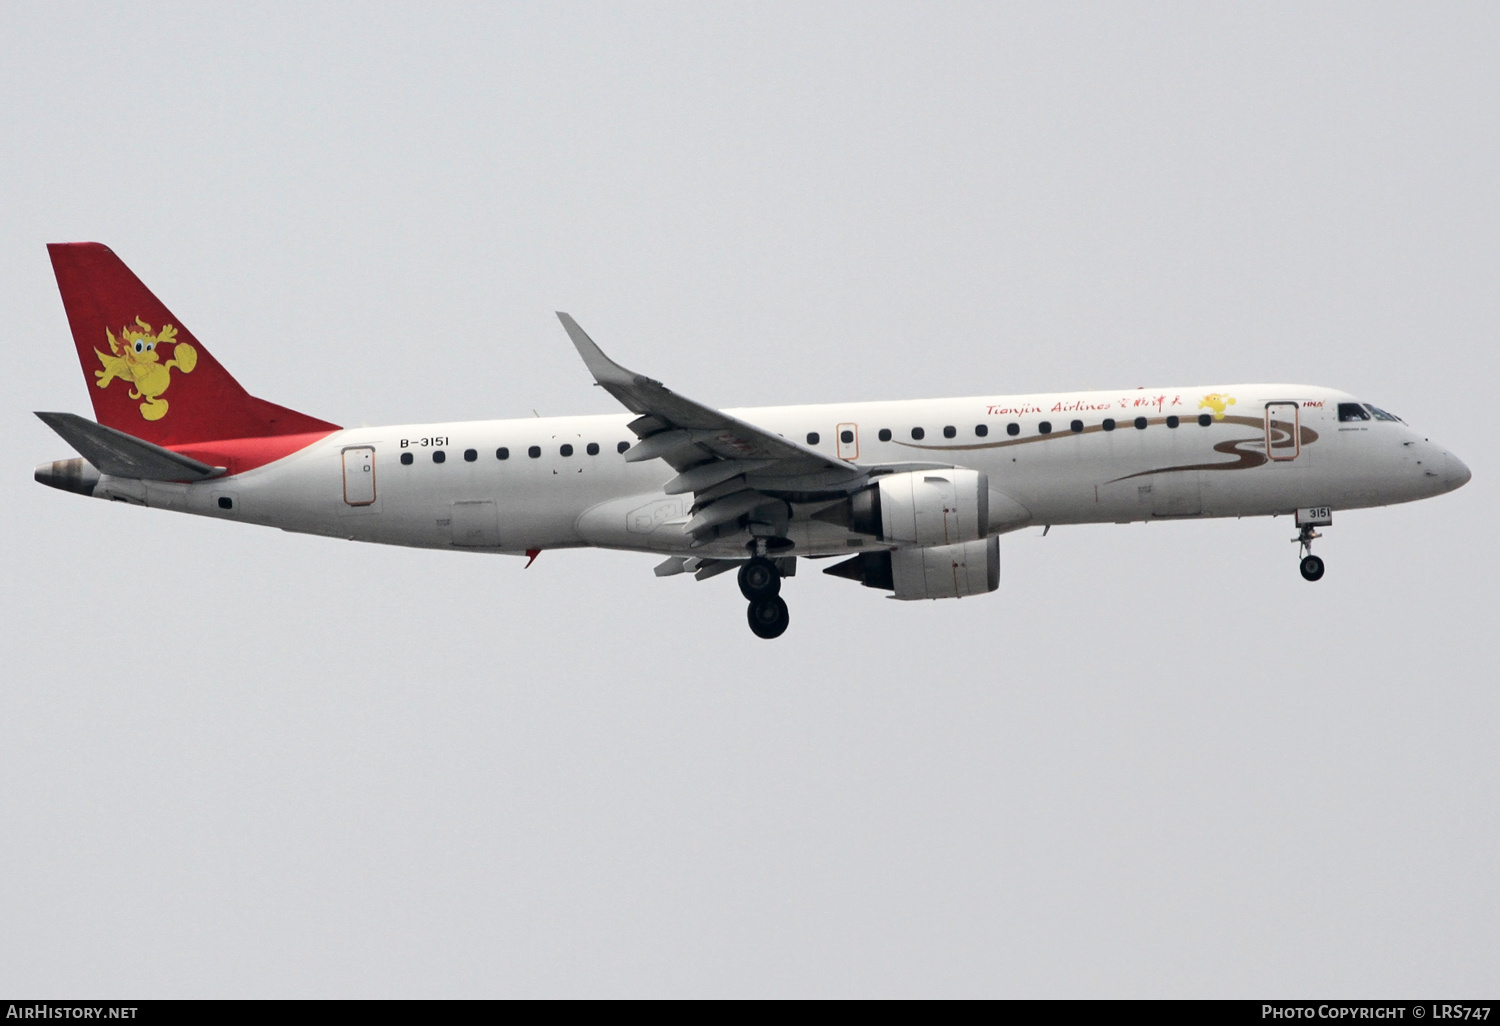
(923, 507)
(928, 571)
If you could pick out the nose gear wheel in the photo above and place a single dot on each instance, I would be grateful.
(1311, 566)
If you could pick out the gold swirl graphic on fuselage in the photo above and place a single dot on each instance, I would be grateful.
(1244, 459)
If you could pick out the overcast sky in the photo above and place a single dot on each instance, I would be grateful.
(235, 761)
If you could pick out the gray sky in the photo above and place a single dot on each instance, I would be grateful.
(240, 762)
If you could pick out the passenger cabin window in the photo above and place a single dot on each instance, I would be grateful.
(593, 449)
(534, 452)
(566, 450)
(918, 434)
(470, 455)
(406, 459)
(812, 438)
(980, 430)
(1012, 429)
(1076, 427)
(847, 437)
(1045, 427)
(502, 453)
(885, 434)
(622, 447)
(1140, 423)
(1382, 415)
(1205, 419)
(1352, 411)
(1173, 422)
(1109, 424)
(438, 456)
(950, 431)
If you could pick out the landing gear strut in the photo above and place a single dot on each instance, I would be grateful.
(760, 583)
(1312, 566)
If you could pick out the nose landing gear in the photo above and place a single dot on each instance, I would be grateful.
(1311, 566)
(760, 583)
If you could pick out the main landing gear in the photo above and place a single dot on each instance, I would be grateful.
(760, 582)
(1312, 566)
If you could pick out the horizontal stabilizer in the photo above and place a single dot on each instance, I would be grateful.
(120, 455)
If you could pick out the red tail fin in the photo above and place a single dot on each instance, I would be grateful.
(147, 374)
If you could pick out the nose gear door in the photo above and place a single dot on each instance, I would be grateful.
(359, 475)
(1283, 431)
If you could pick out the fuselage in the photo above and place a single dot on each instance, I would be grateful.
(513, 486)
(912, 494)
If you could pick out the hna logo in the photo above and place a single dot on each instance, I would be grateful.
(1218, 402)
(136, 360)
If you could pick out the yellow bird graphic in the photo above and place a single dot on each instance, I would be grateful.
(1218, 402)
(136, 360)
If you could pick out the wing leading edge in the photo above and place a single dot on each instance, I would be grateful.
(738, 473)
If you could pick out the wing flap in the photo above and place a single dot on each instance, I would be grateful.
(708, 475)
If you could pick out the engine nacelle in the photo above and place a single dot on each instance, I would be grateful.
(946, 571)
(923, 507)
(928, 572)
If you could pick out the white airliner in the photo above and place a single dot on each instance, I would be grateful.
(913, 494)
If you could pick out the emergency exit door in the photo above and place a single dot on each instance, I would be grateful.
(359, 475)
(1283, 431)
(848, 436)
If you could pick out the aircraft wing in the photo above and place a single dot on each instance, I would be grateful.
(732, 468)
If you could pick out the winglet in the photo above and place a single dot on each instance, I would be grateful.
(613, 378)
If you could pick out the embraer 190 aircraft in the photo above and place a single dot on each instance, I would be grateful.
(912, 494)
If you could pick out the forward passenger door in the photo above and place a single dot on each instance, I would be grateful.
(1283, 431)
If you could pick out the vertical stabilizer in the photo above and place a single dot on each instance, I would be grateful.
(147, 375)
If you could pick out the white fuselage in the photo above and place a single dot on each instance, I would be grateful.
(1235, 466)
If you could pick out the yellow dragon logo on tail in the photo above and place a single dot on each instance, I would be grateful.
(1218, 402)
(135, 360)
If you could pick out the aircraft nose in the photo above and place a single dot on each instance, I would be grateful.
(1456, 473)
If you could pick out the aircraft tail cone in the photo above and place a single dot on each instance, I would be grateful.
(75, 475)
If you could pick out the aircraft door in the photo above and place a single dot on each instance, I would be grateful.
(848, 441)
(1283, 431)
(359, 475)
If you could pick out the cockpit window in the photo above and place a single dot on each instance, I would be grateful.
(1352, 411)
(1382, 415)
